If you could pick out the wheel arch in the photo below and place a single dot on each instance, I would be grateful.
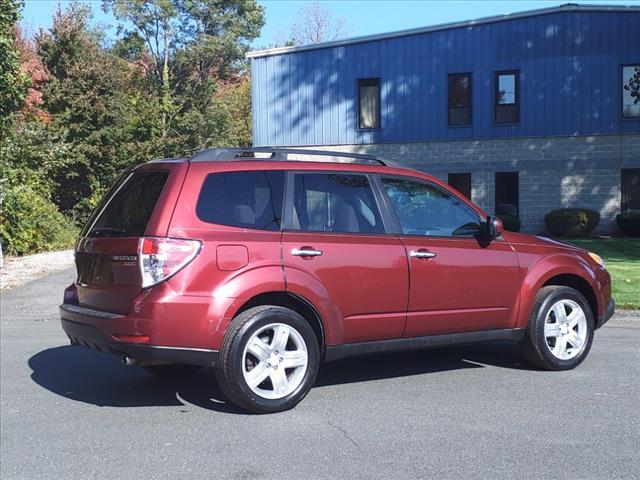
(577, 283)
(294, 302)
(562, 270)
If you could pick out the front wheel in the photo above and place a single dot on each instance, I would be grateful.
(560, 330)
(269, 359)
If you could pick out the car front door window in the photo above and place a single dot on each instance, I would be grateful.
(423, 209)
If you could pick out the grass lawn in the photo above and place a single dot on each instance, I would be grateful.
(622, 258)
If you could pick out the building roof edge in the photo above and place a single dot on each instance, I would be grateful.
(568, 7)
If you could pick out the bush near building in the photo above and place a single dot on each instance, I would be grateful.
(571, 222)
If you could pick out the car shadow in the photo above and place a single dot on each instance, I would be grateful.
(503, 354)
(100, 379)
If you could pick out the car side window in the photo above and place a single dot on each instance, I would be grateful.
(423, 209)
(249, 199)
(333, 202)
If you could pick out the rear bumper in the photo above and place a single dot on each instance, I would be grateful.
(88, 335)
(608, 313)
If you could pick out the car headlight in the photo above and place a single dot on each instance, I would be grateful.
(597, 258)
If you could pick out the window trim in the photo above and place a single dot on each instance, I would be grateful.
(620, 86)
(362, 82)
(289, 191)
(448, 97)
(496, 76)
(393, 218)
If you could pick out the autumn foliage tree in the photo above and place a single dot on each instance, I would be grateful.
(76, 108)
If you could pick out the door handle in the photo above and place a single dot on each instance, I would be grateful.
(422, 254)
(306, 252)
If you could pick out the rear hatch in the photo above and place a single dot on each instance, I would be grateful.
(140, 203)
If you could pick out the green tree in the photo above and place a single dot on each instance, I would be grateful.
(88, 97)
(30, 155)
(193, 46)
(231, 114)
(13, 83)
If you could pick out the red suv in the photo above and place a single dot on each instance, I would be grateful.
(263, 263)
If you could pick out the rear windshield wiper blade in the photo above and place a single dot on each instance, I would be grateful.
(105, 231)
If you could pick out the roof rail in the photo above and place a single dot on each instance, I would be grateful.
(285, 154)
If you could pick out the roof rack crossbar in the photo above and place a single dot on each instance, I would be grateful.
(279, 154)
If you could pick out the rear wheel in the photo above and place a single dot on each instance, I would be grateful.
(269, 359)
(560, 330)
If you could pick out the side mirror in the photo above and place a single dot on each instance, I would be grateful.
(493, 227)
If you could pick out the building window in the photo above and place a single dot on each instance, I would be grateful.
(630, 179)
(631, 91)
(460, 99)
(507, 97)
(461, 182)
(507, 196)
(369, 103)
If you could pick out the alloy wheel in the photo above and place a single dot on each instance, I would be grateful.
(565, 329)
(274, 361)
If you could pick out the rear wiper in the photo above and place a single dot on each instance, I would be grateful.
(105, 231)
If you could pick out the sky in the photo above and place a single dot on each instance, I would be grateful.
(361, 17)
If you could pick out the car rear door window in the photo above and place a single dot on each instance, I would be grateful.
(127, 212)
(423, 209)
(335, 202)
(248, 199)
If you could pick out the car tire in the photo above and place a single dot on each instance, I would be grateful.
(269, 359)
(172, 371)
(560, 330)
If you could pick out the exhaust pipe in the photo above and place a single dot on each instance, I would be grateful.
(126, 361)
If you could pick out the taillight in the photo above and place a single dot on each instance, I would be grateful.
(160, 257)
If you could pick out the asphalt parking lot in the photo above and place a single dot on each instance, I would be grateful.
(464, 412)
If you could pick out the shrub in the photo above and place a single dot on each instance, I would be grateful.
(571, 222)
(629, 223)
(511, 223)
(30, 223)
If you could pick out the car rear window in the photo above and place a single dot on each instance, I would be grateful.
(127, 212)
(251, 199)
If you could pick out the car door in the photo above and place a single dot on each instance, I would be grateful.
(335, 239)
(458, 281)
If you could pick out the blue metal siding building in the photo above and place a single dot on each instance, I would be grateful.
(569, 60)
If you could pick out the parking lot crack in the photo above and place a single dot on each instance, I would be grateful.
(345, 434)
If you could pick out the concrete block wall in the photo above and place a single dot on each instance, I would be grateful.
(554, 172)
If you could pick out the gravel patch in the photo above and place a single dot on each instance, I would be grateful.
(17, 271)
